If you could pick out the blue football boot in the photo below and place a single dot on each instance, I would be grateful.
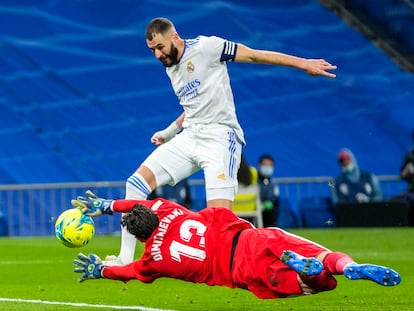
(381, 275)
(305, 266)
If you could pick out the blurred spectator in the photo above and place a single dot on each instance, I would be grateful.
(246, 196)
(269, 191)
(407, 174)
(180, 193)
(353, 184)
(407, 168)
(244, 174)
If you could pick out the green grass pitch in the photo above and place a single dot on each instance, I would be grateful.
(37, 274)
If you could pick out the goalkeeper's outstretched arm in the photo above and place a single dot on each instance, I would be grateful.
(91, 267)
(94, 206)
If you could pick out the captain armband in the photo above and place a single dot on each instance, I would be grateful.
(229, 51)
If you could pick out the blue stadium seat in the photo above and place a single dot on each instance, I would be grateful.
(316, 212)
(4, 226)
(288, 218)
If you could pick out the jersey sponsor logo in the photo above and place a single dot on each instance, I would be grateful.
(188, 91)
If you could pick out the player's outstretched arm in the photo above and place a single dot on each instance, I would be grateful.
(93, 206)
(314, 67)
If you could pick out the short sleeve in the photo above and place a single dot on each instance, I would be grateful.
(219, 48)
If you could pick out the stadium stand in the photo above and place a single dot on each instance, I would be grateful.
(288, 217)
(81, 94)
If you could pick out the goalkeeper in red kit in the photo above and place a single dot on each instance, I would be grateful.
(215, 247)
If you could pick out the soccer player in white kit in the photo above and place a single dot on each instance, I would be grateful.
(211, 137)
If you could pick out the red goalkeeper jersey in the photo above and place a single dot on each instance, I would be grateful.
(186, 245)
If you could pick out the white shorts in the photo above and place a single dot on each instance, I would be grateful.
(213, 148)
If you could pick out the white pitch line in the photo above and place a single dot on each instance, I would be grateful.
(80, 304)
(29, 262)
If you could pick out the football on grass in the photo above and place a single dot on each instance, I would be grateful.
(74, 229)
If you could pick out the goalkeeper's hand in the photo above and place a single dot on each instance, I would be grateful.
(166, 134)
(90, 266)
(93, 206)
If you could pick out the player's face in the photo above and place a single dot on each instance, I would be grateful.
(164, 49)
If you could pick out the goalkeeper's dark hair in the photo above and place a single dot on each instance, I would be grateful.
(158, 25)
(140, 221)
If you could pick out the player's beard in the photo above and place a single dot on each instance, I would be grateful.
(171, 58)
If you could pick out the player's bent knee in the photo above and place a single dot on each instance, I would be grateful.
(318, 283)
(329, 283)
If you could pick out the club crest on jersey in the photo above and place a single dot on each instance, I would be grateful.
(190, 67)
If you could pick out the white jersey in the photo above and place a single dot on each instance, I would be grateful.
(202, 84)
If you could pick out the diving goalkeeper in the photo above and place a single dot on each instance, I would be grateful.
(216, 247)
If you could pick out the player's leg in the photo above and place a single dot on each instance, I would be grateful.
(301, 256)
(138, 186)
(333, 263)
(257, 264)
(219, 155)
(294, 251)
(340, 263)
(167, 164)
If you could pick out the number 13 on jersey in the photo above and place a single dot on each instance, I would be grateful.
(190, 245)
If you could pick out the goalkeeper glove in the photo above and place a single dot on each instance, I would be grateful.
(165, 135)
(93, 206)
(91, 266)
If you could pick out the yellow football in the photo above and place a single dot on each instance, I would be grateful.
(74, 229)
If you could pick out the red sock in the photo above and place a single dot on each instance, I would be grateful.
(335, 262)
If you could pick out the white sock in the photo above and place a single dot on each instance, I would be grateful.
(136, 188)
(128, 242)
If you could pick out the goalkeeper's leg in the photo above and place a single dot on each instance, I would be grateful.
(340, 263)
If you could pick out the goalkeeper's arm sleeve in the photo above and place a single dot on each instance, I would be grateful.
(125, 206)
(126, 273)
(122, 273)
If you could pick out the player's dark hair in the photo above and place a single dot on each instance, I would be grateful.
(158, 25)
(140, 221)
(266, 157)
